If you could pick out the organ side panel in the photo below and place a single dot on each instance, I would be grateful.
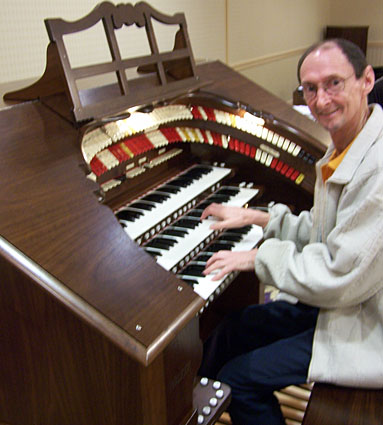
(54, 368)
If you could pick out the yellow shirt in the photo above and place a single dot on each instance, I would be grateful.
(334, 161)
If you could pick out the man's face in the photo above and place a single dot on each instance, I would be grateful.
(343, 111)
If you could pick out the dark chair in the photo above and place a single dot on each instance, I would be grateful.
(376, 95)
(335, 405)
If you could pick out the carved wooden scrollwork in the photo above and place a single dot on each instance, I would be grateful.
(167, 74)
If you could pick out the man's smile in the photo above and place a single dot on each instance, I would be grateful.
(327, 114)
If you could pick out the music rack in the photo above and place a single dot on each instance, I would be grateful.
(160, 75)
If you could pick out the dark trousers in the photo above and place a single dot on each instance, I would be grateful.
(259, 350)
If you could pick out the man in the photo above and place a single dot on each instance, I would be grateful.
(328, 263)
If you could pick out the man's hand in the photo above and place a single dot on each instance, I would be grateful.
(233, 217)
(228, 261)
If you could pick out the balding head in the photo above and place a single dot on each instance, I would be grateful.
(352, 52)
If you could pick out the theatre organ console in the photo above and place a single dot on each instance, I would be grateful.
(103, 302)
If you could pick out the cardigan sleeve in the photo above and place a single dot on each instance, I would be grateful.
(286, 226)
(344, 270)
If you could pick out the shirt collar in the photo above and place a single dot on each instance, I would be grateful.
(335, 159)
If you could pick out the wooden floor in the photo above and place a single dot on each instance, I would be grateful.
(293, 401)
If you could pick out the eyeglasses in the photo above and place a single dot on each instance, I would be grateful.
(332, 86)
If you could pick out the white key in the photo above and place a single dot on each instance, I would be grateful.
(206, 286)
(174, 203)
(199, 234)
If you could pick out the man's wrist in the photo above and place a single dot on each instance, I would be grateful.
(266, 220)
(258, 217)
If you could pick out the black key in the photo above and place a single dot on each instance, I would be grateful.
(189, 281)
(169, 189)
(189, 176)
(161, 243)
(200, 169)
(231, 238)
(194, 270)
(203, 205)
(189, 224)
(156, 197)
(180, 182)
(227, 191)
(154, 254)
(142, 206)
(240, 230)
(193, 175)
(194, 213)
(218, 198)
(203, 257)
(217, 246)
(128, 215)
(175, 232)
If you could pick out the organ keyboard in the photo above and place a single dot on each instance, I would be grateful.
(102, 303)
(169, 201)
(167, 222)
(205, 286)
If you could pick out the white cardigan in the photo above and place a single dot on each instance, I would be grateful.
(332, 257)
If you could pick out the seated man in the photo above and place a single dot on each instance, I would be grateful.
(327, 262)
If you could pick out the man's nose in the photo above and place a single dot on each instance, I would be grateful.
(322, 98)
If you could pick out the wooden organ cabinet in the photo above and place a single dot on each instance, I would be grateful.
(103, 307)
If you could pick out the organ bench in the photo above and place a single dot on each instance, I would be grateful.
(335, 405)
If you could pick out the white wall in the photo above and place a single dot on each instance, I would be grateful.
(356, 12)
(23, 37)
(262, 39)
(362, 13)
(266, 39)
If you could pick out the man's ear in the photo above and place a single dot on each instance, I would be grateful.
(368, 79)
